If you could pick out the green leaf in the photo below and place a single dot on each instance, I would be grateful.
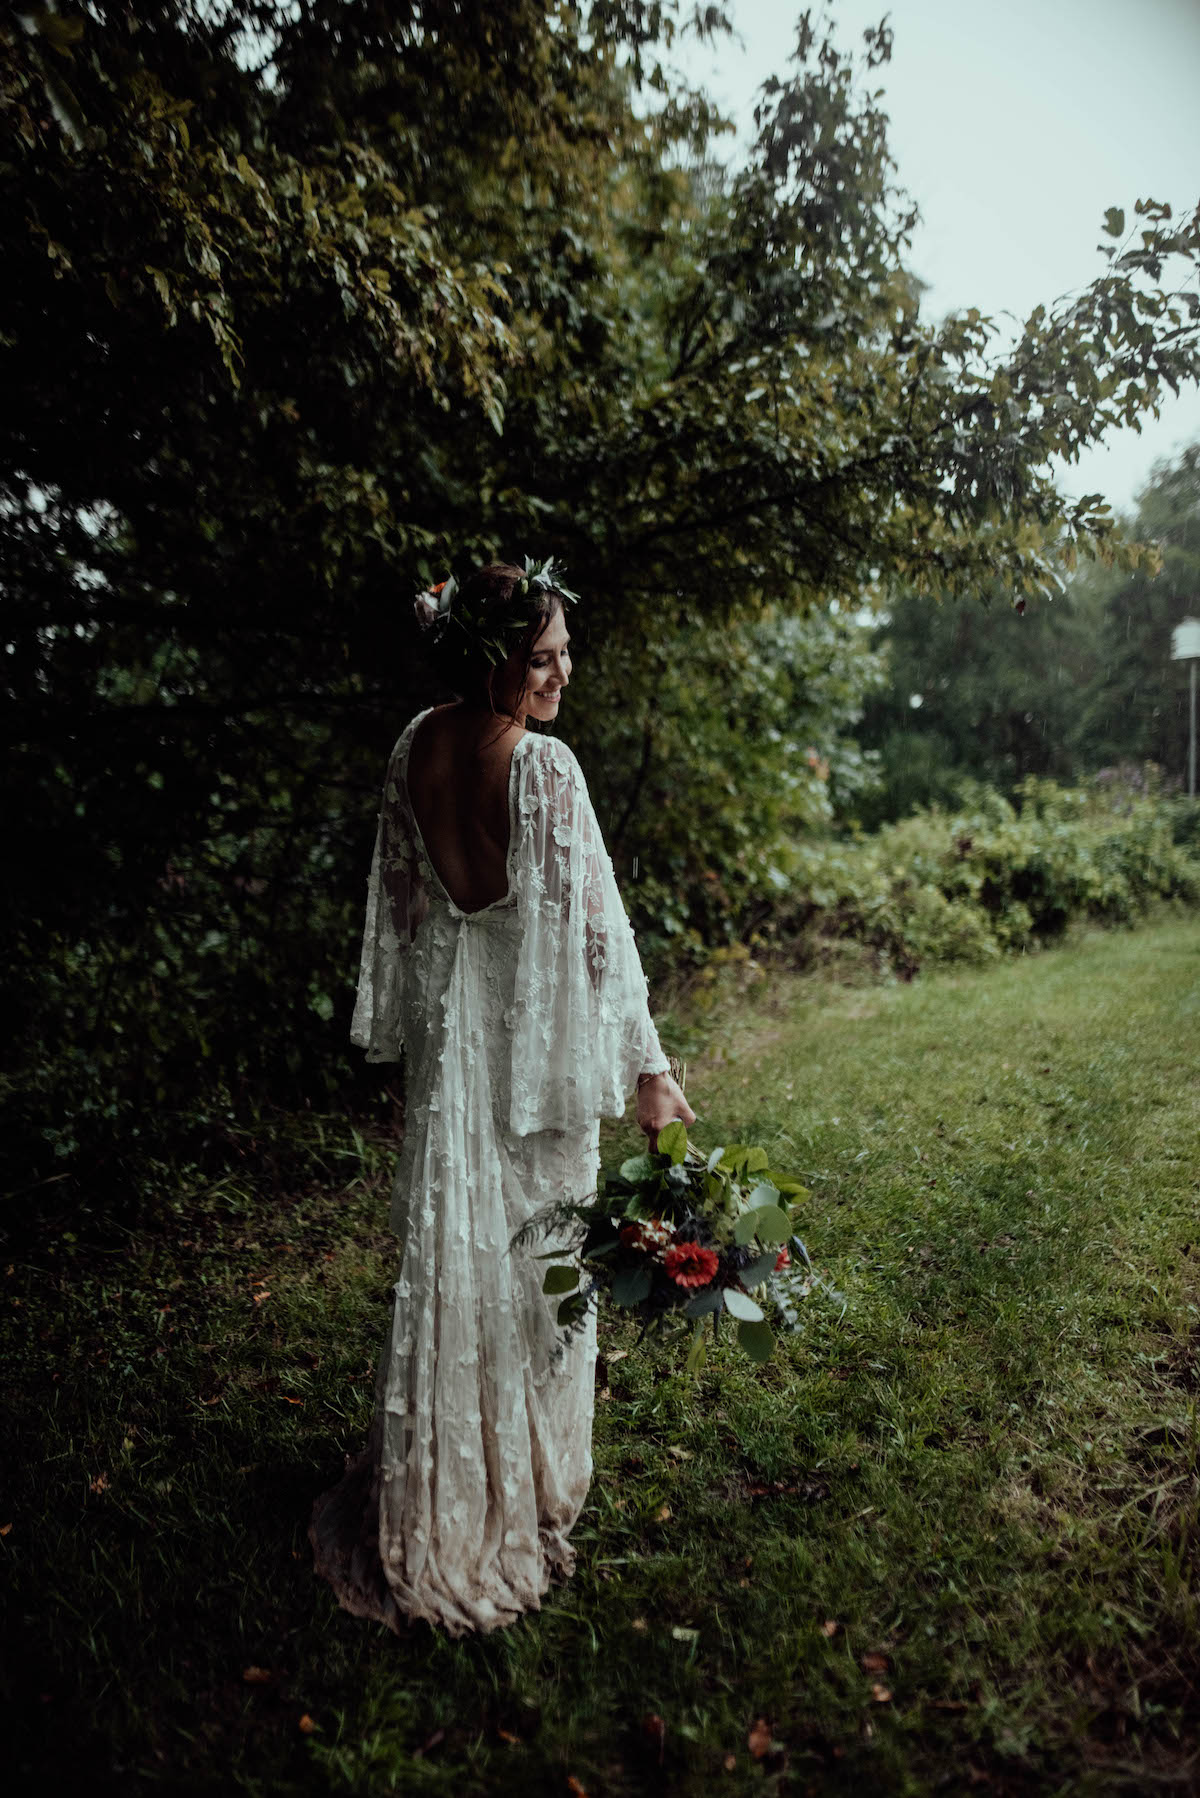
(756, 1160)
(637, 1169)
(771, 1224)
(703, 1303)
(757, 1339)
(1114, 221)
(714, 1158)
(560, 1279)
(742, 1306)
(764, 1194)
(631, 1286)
(745, 1229)
(698, 1353)
(757, 1272)
(673, 1141)
(733, 1159)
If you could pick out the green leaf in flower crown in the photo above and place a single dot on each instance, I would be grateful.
(756, 1160)
(673, 1141)
(733, 1159)
(742, 1306)
(560, 1279)
(757, 1339)
(631, 1286)
(757, 1271)
(703, 1303)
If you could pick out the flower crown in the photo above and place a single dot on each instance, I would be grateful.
(491, 629)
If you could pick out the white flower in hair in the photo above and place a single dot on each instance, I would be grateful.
(433, 604)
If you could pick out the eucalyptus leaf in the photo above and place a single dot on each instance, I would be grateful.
(757, 1339)
(714, 1158)
(746, 1228)
(758, 1271)
(764, 1194)
(771, 1224)
(631, 1286)
(560, 1279)
(740, 1305)
(703, 1303)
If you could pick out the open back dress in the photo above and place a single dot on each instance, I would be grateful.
(520, 1024)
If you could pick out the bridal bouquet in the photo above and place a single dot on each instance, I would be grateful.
(675, 1234)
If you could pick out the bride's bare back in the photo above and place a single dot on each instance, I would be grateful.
(458, 769)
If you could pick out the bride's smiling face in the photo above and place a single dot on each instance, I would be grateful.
(549, 671)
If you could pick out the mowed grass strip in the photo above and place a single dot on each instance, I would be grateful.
(945, 1540)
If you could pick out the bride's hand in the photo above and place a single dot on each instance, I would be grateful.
(660, 1101)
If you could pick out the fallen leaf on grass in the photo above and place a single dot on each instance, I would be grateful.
(663, 1515)
(730, 1763)
(874, 1663)
(100, 1483)
(830, 1627)
(306, 1724)
(291, 1401)
(433, 1741)
(574, 1787)
(880, 1694)
(506, 1735)
(258, 1676)
(680, 1454)
(759, 1739)
(682, 1633)
(640, 1624)
(655, 1732)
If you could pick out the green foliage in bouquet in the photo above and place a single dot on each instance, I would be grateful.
(675, 1234)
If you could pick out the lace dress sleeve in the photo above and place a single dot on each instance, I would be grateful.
(396, 902)
(582, 1030)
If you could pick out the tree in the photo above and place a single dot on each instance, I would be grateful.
(1137, 701)
(306, 303)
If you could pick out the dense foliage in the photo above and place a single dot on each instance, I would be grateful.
(965, 885)
(306, 304)
(1064, 688)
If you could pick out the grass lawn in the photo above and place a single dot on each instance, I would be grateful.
(946, 1541)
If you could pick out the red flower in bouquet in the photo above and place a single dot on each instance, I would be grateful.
(782, 1260)
(690, 1264)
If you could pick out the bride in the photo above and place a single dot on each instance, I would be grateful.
(498, 959)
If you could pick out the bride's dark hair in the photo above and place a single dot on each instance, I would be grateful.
(469, 660)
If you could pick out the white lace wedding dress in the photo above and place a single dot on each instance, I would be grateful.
(521, 1025)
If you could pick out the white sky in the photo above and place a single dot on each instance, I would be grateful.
(1015, 125)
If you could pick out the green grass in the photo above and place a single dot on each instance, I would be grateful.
(983, 1472)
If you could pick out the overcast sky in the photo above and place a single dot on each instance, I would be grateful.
(1015, 125)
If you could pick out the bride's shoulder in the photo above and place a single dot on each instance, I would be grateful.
(553, 753)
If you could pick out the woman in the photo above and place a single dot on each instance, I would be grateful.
(499, 960)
